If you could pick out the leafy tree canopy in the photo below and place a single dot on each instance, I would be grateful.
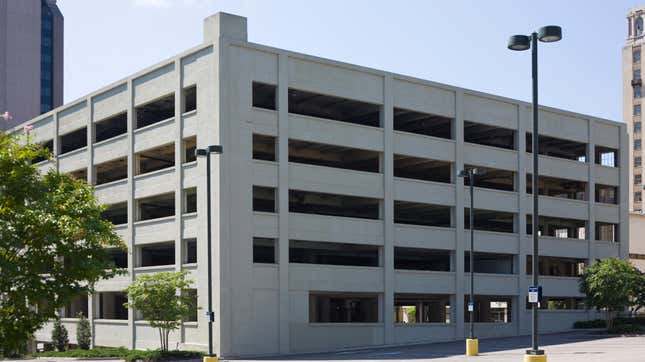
(163, 299)
(52, 242)
(610, 284)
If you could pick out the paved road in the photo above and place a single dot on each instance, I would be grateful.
(562, 347)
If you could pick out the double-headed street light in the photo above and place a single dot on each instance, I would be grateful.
(546, 34)
(472, 343)
(206, 152)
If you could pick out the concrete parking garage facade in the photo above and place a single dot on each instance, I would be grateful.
(338, 217)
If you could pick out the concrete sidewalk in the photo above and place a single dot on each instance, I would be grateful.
(561, 347)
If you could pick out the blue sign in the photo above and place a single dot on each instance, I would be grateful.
(535, 294)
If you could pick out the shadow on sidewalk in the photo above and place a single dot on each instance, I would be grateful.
(445, 349)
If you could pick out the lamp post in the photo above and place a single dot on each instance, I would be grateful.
(546, 34)
(206, 152)
(472, 343)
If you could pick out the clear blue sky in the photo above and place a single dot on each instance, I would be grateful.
(456, 42)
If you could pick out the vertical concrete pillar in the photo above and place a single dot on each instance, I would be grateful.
(89, 107)
(524, 207)
(591, 197)
(56, 142)
(179, 188)
(387, 121)
(459, 216)
(131, 205)
(283, 200)
(623, 188)
(91, 180)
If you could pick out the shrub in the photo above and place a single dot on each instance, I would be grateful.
(626, 329)
(60, 337)
(636, 321)
(83, 332)
(595, 323)
(126, 354)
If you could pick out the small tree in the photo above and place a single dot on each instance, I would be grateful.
(60, 337)
(83, 332)
(163, 300)
(610, 284)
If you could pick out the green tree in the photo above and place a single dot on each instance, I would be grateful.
(163, 299)
(60, 337)
(83, 332)
(52, 240)
(610, 284)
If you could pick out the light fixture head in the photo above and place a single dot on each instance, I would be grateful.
(550, 33)
(519, 42)
(200, 152)
(215, 149)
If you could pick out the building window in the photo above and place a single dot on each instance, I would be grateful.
(489, 309)
(190, 251)
(421, 259)
(637, 109)
(637, 145)
(190, 145)
(264, 96)
(637, 179)
(264, 250)
(637, 196)
(192, 294)
(46, 58)
(420, 308)
(328, 253)
(264, 147)
(636, 74)
(111, 305)
(190, 200)
(637, 161)
(559, 303)
(76, 306)
(636, 55)
(264, 199)
(607, 232)
(156, 254)
(190, 99)
(637, 91)
(343, 308)
(637, 127)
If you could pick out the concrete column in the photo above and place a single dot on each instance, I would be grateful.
(56, 142)
(131, 204)
(591, 197)
(90, 317)
(179, 189)
(283, 200)
(459, 216)
(387, 121)
(524, 207)
(623, 188)
(90, 140)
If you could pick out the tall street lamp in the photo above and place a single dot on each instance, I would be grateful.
(546, 34)
(472, 343)
(206, 152)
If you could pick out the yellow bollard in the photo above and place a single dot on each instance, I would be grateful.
(534, 358)
(472, 347)
(211, 359)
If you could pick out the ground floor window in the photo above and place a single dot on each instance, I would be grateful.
(489, 309)
(421, 308)
(111, 305)
(559, 303)
(343, 308)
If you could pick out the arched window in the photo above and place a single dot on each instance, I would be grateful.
(638, 26)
